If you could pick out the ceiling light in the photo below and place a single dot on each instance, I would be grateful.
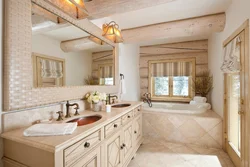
(112, 32)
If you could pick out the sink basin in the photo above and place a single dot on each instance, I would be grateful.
(86, 120)
(121, 105)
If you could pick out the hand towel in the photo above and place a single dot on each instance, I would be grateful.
(123, 87)
(50, 129)
(200, 99)
(201, 105)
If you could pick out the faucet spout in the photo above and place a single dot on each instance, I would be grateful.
(148, 99)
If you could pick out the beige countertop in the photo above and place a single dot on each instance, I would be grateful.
(56, 143)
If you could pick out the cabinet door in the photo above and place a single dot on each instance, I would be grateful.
(113, 151)
(93, 159)
(137, 129)
(128, 140)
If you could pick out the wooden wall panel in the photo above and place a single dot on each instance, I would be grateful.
(99, 58)
(192, 49)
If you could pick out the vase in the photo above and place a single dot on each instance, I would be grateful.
(97, 106)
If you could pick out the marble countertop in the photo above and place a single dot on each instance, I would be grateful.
(57, 143)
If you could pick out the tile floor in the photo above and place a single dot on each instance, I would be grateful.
(164, 154)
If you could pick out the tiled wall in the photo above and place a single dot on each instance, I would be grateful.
(19, 119)
(204, 129)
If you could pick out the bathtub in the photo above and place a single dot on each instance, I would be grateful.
(181, 108)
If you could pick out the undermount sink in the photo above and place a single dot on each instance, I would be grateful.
(121, 105)
(85, 120)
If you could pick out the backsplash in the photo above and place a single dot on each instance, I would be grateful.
(18, 119)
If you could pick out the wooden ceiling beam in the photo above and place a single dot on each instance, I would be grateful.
(183, 28)
(104, 8)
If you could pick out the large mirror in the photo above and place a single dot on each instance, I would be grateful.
(65, 55)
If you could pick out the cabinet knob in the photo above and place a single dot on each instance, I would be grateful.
(86, 145)
(129, 116)
(115, 125)
(123, 145)
(135, 131)
(138, 109)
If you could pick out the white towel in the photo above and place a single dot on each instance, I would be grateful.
(50, 129)
(201, 105)
(200, 99)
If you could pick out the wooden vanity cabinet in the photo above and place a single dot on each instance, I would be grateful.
(113, 145)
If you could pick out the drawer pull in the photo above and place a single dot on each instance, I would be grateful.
(86, 145)
(138, 109)
(115, 126)
(129, 116)
(135, 131)
(123, 145)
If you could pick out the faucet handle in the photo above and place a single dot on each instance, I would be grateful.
(76, 113)
(60, 115)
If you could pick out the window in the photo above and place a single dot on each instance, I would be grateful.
(171, 80)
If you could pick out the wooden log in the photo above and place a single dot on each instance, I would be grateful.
(183, 28)
(182, 47)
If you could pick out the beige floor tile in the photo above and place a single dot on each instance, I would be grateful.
(159, 154)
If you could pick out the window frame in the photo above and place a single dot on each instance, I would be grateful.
(170, 97)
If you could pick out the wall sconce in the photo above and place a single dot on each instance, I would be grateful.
(112, 32)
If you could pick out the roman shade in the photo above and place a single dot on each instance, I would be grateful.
(164, 69)
(106, 71)
(51, 69)
(231, 60)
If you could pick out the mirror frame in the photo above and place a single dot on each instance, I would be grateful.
(19, 92)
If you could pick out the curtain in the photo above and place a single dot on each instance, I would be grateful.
(231, 60)
(51, 69)
(165, 69)
(106, 71)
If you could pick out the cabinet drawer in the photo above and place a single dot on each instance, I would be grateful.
(112, 127)
(137, 111)
(77, 150)
(127, 117)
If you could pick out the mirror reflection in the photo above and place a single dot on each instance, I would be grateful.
(65, 55)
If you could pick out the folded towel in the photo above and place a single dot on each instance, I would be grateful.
(201, 105)
(50, 129)
(200, 99)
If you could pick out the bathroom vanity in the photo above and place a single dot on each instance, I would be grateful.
(110, 142)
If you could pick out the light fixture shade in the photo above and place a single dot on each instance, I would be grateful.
(80, 5)
(112, 32)
(74, 8)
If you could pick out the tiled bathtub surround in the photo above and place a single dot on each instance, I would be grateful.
(18, 119)
(203, 129)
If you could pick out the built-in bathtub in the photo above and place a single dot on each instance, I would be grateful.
(181, 108)
(182, 123)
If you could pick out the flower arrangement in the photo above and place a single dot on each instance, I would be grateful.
(95, 97)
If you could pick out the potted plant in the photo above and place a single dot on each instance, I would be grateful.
(95, 98)
(203, 83)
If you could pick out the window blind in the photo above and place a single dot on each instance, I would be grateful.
(164, 69)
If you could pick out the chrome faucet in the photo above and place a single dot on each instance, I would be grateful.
(148, 99)
(67, 109)
(109, 97)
